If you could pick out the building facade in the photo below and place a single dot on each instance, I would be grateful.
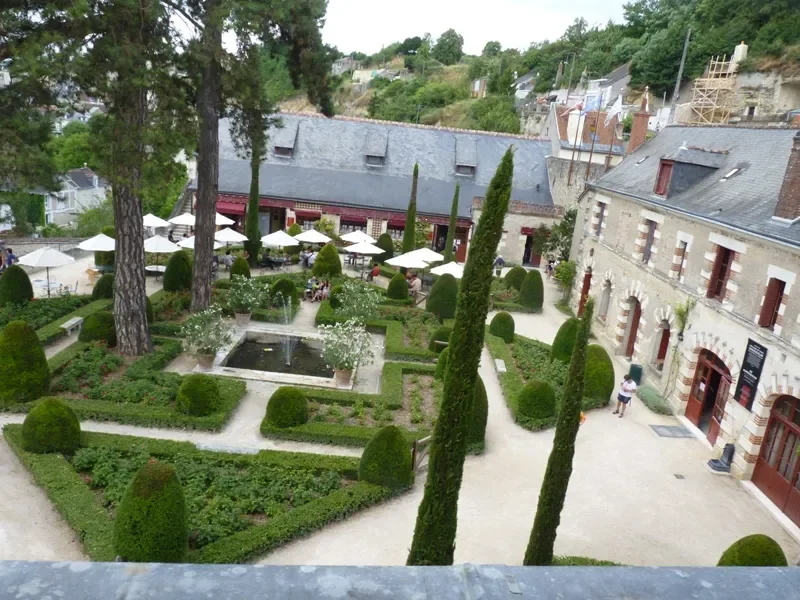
(81, 189)
(707, 220)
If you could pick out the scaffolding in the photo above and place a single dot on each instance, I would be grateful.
(713, 94)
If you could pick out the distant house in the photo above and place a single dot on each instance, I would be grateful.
(81, 189)
(609, 86)
(343, 65)
(524, 84)
(478, 88)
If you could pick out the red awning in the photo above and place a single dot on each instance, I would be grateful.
(397, 223)
(230, 208)
(353, 220)
(308, 214)
(527, 231)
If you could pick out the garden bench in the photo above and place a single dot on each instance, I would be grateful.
(74, 324)
(500, 366)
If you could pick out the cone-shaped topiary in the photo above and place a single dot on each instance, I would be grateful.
(104, 288)
(531, 294)
(386, 461)
(599, 378)
(480, 414)
(451, 227)
(287, 407)
(336, 296)
(328, 263)
(502, 326)
(148, 309)
(15, 286)
(440, 335)
(515, 277)
(441, 364)
(198, 395)
(106, 259)
(51, 427)
(287, 289)
(537, 400)
(386, 243)
(757, 550)
(26, 375)
(178, 276)
(443, 297)
(240, 267)
(410, 232)
(99, 327)
(398, 287)
(565, 340)
(151, 522)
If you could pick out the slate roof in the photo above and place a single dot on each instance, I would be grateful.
(746, 201)
(328, 165)
(84, 178)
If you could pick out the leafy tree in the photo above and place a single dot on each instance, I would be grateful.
(275, 75)
(451, 228)
(435, 531)
(410, 45)
(409, 237)
(71, 149)
(495, 113)
(27, 211)
(559, 242)
(492, 49)
(559, 464)
(449, 47)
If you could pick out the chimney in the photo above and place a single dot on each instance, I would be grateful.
(788, 208)
(639, 128)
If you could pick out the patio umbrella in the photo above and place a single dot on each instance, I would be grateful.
(364, 248)
(407, 262)
(451, 268)
(222, 220)
(279, 239)
(357, 237)
(46, 257)
(426, 254)
(312, 236)
(98, 243)
(189, 243)
(184, 219)
(159, 245)
(228, 235)
(150, 220)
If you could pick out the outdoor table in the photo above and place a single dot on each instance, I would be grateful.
(157, 269)
(45, 284)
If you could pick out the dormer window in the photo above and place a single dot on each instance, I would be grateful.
(284, 141)
(283, 151)
(375, 161)
(664, 177)
(466, 156)
(465, 170)
(375, 144)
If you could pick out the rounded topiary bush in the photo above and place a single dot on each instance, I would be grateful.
(178, 276)
(287, 407)
(198, 395)
(148, 309)
(565, 340)
(104, 288)
(440, 335)
(753, 551)
(502, 326)
(99, 327)
(515, 277)
(15, 286)
(106, 259)
(151, 523)
(51, 426)
(443, 297)
(240, 267)
(598, 382)
(385, 243)
(286, 288)
(398, 287)
(480, 414)
(386, 461)
(336, 296)
(26, 375)
(531, 294)
(441, 364)
(537, 400)
(328, 263)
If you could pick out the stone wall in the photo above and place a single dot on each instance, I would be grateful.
(565, 189)
(512, 242)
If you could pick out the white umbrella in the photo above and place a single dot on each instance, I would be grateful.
(46, 257)
(364, 248)
(229, 235)
(312, 236)
(222, 220)
(99, 243)
(426, 254)
(357, 237)
(279, 239)
(407, 262)
(451, 268)
(184, 219)
(159, 245)
(150, 220)
(189, 243)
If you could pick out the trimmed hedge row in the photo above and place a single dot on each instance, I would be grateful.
(53, 332)
(512, 307)
(57, 362)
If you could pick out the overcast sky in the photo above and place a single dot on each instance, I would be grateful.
(367, 25)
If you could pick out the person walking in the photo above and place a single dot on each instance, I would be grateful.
(498, 265)
(626, 390)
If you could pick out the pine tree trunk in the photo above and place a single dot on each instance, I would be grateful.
(208, 106)
(435, 531)
(559, 464)
(451, 230)
(251, 229)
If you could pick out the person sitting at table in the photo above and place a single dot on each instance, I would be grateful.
(171, 237)
(322, 292)
(415, 285)
(185, 235)
(311, 286)
(311, 260)
(376, 270)
(227, 260)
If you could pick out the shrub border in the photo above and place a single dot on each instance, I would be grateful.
(513, 307)
(52, 331)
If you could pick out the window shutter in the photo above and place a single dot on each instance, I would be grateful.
(772, 301)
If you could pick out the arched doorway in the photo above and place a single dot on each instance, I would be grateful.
(776, 472)
(662, 346)
(710, 387)
(632, 326)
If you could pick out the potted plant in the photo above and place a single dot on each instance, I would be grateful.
(346, 346)
(682, 312)
(205, 334)
(244, 295)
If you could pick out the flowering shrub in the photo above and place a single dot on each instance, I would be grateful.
(246, 294)
(346, 345)
(170, 306)
(358, 301)
(205, 332)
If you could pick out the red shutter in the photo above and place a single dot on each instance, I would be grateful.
(664, 175)
(772, 303)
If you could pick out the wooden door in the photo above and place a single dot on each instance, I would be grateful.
(663, 347)
(697, 395)
(719, 410)
(635, 314)
(587, 283)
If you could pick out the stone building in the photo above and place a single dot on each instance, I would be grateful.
(708, 216)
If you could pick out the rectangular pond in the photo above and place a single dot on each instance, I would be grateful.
(269, 352)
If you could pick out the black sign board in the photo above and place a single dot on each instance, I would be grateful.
(754, 357)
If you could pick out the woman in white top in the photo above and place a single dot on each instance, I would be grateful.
(626, 390)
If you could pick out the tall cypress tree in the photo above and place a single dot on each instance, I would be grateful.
(451, 230)
(435, 531)
(410, 232)
(559, 465)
